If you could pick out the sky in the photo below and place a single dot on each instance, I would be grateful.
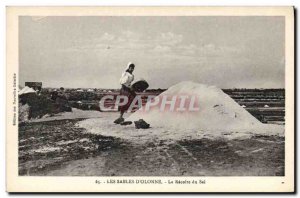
(92, 52)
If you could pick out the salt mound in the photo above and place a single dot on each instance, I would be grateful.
(26, 90)
(217, 112)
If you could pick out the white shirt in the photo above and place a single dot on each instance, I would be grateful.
(126, 79)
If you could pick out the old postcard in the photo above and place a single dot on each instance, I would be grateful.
(150, 99)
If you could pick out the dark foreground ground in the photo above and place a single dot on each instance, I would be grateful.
(59, 148)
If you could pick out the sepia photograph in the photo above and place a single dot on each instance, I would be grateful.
(138, 98)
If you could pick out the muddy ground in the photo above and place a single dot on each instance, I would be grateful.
(59, 148)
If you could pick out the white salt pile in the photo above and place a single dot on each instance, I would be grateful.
(217, 112)
(75, 114)
(219, 116)
(26, 90)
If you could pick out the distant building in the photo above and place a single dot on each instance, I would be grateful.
(37, 86)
